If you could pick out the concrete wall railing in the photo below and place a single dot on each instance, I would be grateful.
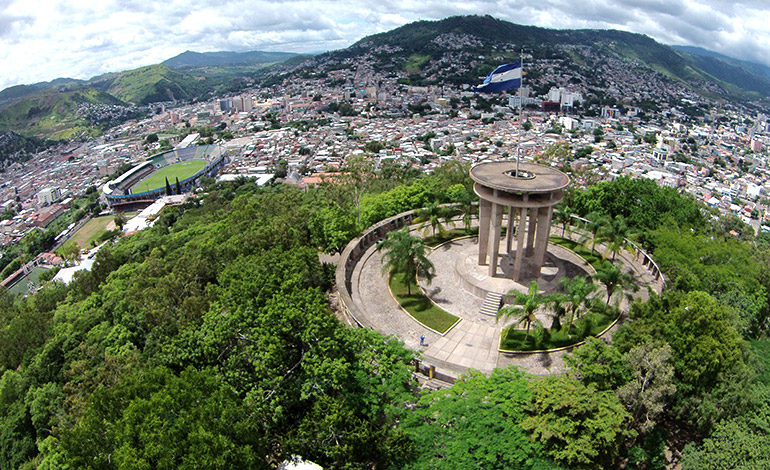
(355, 250)
(641, 255)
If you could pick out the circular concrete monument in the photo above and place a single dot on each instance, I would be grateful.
(529, 191)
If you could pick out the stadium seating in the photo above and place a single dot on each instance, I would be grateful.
(118, 191)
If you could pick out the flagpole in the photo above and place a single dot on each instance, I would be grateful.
(521, 105)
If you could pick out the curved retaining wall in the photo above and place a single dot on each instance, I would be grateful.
(352, 254)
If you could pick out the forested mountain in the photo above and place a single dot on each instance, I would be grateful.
(746, 75)
(20, 91)
(66, 108)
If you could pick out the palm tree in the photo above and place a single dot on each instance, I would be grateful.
(466, 208)
(432, 216)
(526, 306)
(563, 214)
(596, 221)
(558, 310)
(70, 252)
(576, 294)
(615, 280)
(614, 235)
(463, 203)
(405, 254)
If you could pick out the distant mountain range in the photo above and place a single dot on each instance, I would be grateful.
(455, 50)
(65, 107)
(190, 59)
(741, 73)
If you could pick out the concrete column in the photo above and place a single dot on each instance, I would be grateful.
(543, 230)
(509, 231)
(484, 210)
(531, 231)
(520, 244)
(495, 224)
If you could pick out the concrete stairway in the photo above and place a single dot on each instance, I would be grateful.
(492, 304)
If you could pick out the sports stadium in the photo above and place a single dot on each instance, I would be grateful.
(147, 181)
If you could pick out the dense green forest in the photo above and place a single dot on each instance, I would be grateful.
(207, 341)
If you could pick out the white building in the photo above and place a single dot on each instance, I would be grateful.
(568, 123)
(242, 104)
(48, 196)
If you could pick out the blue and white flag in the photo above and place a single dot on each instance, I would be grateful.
(503, 78)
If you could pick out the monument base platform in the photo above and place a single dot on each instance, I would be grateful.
(475, 278)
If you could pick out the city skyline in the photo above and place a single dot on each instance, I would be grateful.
(44, 40)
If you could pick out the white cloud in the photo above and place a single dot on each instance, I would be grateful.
(46, 39)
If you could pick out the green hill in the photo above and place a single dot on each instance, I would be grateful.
(746, 75)
(20, 91)
(418, 37)
(155, 83)
(56, 114)
(66, 108)
(424, 39)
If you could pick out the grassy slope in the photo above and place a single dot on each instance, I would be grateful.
(88, 232)
(154, 83)
(420, 307)
(51, 113)
(414, 62)
(593, 258)
(157, 180)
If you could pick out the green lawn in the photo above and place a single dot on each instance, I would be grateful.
(181, 170)
(91, 231)
(414, 62)
(590, 324)
(420, 307)
(594, 259)
(88, 232)
(22, 287)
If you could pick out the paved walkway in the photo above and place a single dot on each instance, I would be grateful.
(469, 345)
(473, 342)
(380, 310)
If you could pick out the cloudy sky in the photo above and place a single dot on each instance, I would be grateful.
(45, 39)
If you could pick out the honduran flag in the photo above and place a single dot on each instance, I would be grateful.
(503, 78)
